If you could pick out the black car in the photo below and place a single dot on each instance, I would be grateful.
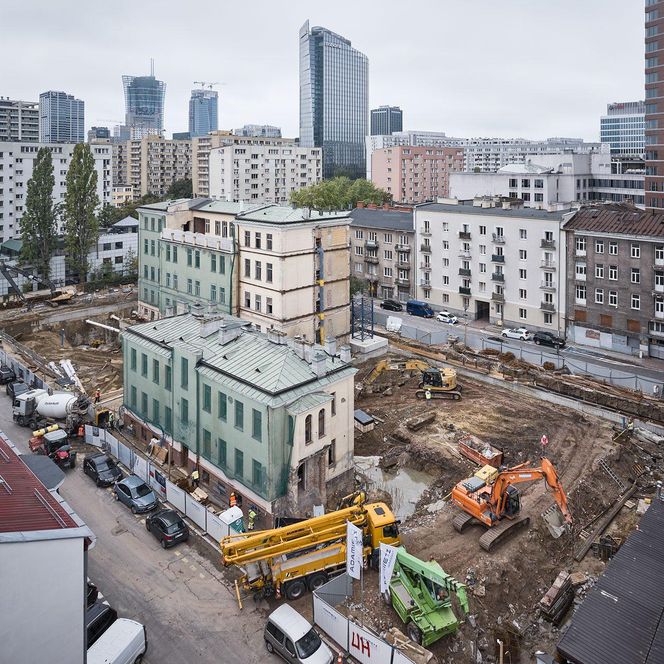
(98, 618)
(16, 387)
(102, 469)
(168, 527)
(391, 305)
(7, 375)
(548, 339)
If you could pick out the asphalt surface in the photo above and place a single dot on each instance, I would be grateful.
(183, 599)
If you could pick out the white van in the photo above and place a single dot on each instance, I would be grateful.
(124, 642)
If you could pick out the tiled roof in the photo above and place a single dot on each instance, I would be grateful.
(617, 219)
(393, 220)
(25, 503)
(519, 213)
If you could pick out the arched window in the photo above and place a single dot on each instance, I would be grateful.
(307, 429)
(321, 422)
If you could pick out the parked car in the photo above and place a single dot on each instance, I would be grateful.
(548, 339)
(168, 527)
(290, 636)
(102, 469)
(124, 642)
(391, 305)
(91, 595)
(98, 618)
(417, 308)
(516, 333)
(447, 317)
(136, 494)
(16, 387)
(7, 375)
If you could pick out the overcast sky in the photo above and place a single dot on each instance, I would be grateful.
(466, 67)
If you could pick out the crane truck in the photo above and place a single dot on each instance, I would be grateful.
(421, 593)
(439, 383)
(497, 504)
(303, 555)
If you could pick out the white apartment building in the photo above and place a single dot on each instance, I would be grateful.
(19, 120)
(492, 261)
(16, 163)
(117, 248)
(265, 173)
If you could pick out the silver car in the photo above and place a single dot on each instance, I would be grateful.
(136, 494)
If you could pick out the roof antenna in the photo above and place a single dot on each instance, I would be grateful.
(152, 67)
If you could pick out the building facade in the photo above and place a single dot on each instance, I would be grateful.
(654, 115)
(615, 279)
(414, 174)
(203, 112)
(61, 118)
(267, 131)
(116, 250)
(623, 128)
(268, 418)
(383, 251)
(19, 121)
(489, 260)
(16, 164)
(385, 120)
(334, 100)
(268, 174)
(144, 106)
(102, 134)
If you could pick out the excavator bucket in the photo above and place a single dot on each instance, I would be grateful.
(555, 521)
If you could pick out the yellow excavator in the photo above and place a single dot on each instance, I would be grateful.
(435, 383)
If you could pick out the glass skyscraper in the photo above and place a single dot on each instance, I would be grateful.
(144, 105)
(385, 120)
(203, 112)
(61, 118)
(623, 127)
(334, 100)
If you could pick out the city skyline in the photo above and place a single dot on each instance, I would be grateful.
(519, 86)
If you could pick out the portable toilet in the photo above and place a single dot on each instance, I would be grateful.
(232, 520)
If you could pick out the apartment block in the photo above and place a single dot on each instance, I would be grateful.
(382, 251)
(266, 417)
(16, 164)
(262, 173)
(623, 128)
(490, 260)
(117, 249)
(615, 279)
(278, 267)
(654, 111)
(415, 175)
(19, 120)
(61, 118)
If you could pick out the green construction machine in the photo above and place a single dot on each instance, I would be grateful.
(421, 593)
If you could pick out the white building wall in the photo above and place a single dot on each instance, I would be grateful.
(42, 621)
(115, 249)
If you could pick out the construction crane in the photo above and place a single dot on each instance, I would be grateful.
(6, 271)
(439, 383)
(205, 84)
(497, 504)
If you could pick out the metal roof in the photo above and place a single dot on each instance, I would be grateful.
(617, 219)
(519, 213)
(393, 220)
(25, 503)
(225, 207)
(127, 222)
(308, 402)
(45, 469)
(620, 619)
(284, 214)
(362, 417)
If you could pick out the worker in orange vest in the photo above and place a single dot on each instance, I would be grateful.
(97, 396)
(232, 501)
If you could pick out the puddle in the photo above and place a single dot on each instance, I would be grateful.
(405, 485)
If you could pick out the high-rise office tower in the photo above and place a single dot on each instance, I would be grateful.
(19, 120)
(623, 128)
(334, 100)
(144, 105)
(61, 118)
(386, 120)
(203, 112)
(99, 134)
(654, 117)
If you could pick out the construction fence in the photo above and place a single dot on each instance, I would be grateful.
(360, 643)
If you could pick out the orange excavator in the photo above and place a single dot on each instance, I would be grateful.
(497, 504)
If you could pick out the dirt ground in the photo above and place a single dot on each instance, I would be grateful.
(507, 584)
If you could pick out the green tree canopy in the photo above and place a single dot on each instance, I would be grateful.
(180, 189)
(81, 201)
(38, 223)
(339, 193)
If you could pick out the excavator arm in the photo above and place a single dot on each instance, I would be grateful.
(386, 365)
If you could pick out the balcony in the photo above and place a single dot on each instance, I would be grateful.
(463, 272)
(497, 258)
(548, 244)
(426, 248)
(371, 244)
(464, 254)
(425, 284)
(548, 286)
(659, 263)
(498, 239)
(401, 281)
(371, 259)
(425, 232)
(581, 301)
(464, 235)
(403, 265)
(386, 281)
(578, 276)
(659, 288)
(548, 265)
(580, 253)
(654, 325)
(548, 306)
(464, 290)
(425, 266)
(402, 247)
(497, 297)
(498, 276)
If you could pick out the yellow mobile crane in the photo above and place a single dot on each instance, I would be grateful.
(303, 555)
(439, 383)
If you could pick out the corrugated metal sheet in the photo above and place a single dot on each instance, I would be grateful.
(393, 220)
(521, 213)
(308, 402)
(618, 220)
(620, 620)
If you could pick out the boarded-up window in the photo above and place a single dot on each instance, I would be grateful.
(633, 325)
(606, 321)
(580, 315)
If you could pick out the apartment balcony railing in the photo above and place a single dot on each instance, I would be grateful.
(464, 254)
(498, 276)
(403, 281)
(425, 283)
(659, 288)
(498, 238)
(548, 306)
(464, 235)
(402, 247)
(498, 297)
(425, 232)
(548, 244)
(426, 248)
(548, 286)
(549, 265)
(497, 258)
(580, 277)
(371, 259)
(425, 266)
(463, 272)
(403, 265)
(464, 290)
(371, 244)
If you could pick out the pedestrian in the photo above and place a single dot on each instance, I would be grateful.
(111, 420)
(427, 395)
(195, 478)
(232, 500)
(252, 518)
(97, 396)
(655, 391)
(630, 426)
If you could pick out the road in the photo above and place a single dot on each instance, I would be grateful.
(181, 597)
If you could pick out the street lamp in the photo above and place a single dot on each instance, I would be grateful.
(465, 321)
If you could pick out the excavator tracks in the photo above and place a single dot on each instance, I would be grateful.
(504, 530)
(462, 521)
(454, 394)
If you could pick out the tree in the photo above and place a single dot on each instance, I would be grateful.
(108, 216)
(81, 201)
(38, 223)
(180, 189)
(357, 285)
(340, 193)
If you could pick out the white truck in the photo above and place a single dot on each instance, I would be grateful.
(37, 409)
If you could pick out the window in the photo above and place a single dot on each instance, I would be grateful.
(548, 318)
(613, 272)
(359, 235)
(258, 240)
(256, 425)
(599, 296)
(387, 255)
(482, 230)
(207, 444)
(213, 293)
(207, 398)
(635, 250)
(190, 286)
(197, 259)
(132, 393)
(268, 305)
(613, 298)
(256, 473)
(132, 359)
(175, 254)
(168, 419)
(155, 371)
(580, 293)
(387, 271)
(184, 411)
(247, 268)
(190, 255)
(599, 271)
(213, 262)
(239, 415)
(307, 429)
(636, 301)
(359, 251)
(539, 198)
(247, 238)
(523, 273)
(167, 377)
(599, 246)
(581, 271)
(523, 254)
(636, 275)
(168, 280)
(239, 463)
(482, 268)
(268, 272)
(523, 294)
(247, 299)
(222, 264)
(482, 248)
(659, 252)
(144, 364)
(523, 314)
(144, 404)
(387, 237)
(613, 248)
(258, 270)
(257, 302)
(321, 423)
(523, 234)
(221, 451)
(580, 244)
(184, 373)
(332, 453)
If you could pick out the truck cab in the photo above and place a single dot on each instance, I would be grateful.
(25, 406)
(381, 526)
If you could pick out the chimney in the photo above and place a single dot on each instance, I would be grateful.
(228, 332)
(298, 346)
(344, 353)
(276, 337)
(210, 324)
(308, 348)
(197, 310)
(318, 364)
(331, 346)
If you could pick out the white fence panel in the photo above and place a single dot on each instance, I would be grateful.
(157, 480)
(215, 527)
(124, 454)
(175, 496)
(195, 511)
(366, 647)
(331, 622)
(140, 467)
(400, 658)
(93, 435)
(113, 445)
